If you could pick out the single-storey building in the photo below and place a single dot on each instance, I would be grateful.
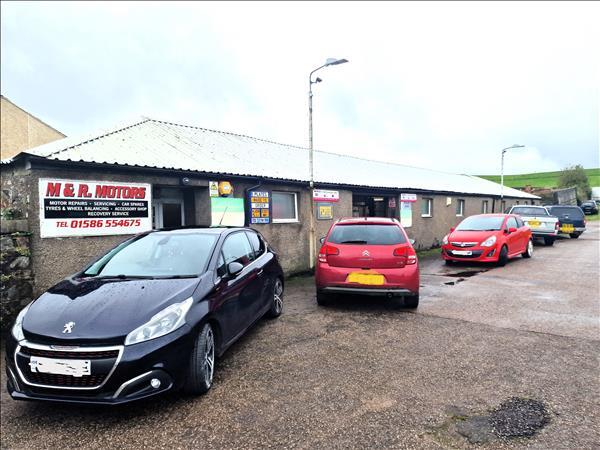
(78, 197)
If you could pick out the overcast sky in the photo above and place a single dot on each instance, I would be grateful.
(440, 85)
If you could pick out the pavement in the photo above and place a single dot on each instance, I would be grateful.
(484, 353)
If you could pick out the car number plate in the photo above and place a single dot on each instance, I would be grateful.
(462, 252)
(534, 223)
(373, 279)
(73, 367)
(567, 228)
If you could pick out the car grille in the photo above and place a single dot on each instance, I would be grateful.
(103, 361)
(49, 379)
(476, 254)
(65, 354)
(463, 244)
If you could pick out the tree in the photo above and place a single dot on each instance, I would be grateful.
(575, 176)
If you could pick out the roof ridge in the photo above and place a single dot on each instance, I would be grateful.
(228, 132)
(109, 132)
(302, 148)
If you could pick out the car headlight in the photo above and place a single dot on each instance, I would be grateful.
(163, 322)
(445, 240)
(17, 329)
(489, 241)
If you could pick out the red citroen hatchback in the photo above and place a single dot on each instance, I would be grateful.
(368, 256)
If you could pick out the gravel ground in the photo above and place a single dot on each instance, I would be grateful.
(361, 374)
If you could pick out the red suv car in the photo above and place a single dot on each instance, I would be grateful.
(488, 238)
(370, 256)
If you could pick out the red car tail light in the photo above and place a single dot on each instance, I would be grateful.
(327, 250)
(400, 251)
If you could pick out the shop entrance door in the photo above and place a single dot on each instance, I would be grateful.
(374, 206)
(168, 213)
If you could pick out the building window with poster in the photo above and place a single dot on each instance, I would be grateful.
(427, 207)
(460, 208)
(285, 207)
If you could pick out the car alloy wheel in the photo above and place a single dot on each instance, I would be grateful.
(277, 300)
(528, 250)
(209, 356)
(202, 362)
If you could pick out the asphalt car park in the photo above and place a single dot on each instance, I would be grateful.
(362, 373)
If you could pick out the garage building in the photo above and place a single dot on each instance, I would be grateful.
(154, 174)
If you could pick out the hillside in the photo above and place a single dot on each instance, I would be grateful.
(541, 179)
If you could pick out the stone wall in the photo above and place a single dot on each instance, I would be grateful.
(16, 279)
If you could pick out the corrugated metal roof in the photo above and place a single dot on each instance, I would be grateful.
(159, 144)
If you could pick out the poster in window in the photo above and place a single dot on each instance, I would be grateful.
(93, 208)
(406, 214)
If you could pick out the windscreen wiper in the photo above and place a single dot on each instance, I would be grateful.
(353, 242)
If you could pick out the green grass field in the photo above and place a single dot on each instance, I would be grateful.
(541, 179)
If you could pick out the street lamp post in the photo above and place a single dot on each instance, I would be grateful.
(328, 62)
(504, 150)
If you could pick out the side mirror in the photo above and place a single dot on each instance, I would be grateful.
(452, 229)
(234, 269)
(412, 241)
(511, 230)
(322, 240)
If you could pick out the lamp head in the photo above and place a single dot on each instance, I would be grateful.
(335, 61)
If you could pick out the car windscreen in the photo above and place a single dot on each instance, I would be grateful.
(481, 223)
(573, 212)
(157, 255)
(528, 211)
(372, 234)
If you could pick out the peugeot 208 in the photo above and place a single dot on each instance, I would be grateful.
(367, 256)
(149, 316)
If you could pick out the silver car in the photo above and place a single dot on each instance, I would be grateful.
(542, 224)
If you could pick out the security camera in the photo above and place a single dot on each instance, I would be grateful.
(318, 80)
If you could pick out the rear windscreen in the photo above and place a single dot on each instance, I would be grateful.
(529, 211)
(367, 235)
(573, 213)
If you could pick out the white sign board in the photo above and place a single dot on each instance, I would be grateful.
(321, 195)
(93, 208)
(408, 197)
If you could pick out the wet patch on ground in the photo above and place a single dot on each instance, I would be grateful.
(514, 418)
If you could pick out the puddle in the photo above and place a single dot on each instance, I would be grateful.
(452, 283)
(466, 273)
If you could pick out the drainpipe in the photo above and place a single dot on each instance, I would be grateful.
(247, 208)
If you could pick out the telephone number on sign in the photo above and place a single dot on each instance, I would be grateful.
(100, 223)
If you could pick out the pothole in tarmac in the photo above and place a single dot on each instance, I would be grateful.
(514, 418)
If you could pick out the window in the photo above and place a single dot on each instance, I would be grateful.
(481, 223)
(503, 206)
(426, 207)
(160, 254)
(460, 208)
(373, 234)
(511, 223)
(530, 211)
(520, 223)
(285, 207)
(484, 207)
(237, 248)
(258, 245)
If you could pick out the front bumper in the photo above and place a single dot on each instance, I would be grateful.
(164, 359)
(478, 253)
